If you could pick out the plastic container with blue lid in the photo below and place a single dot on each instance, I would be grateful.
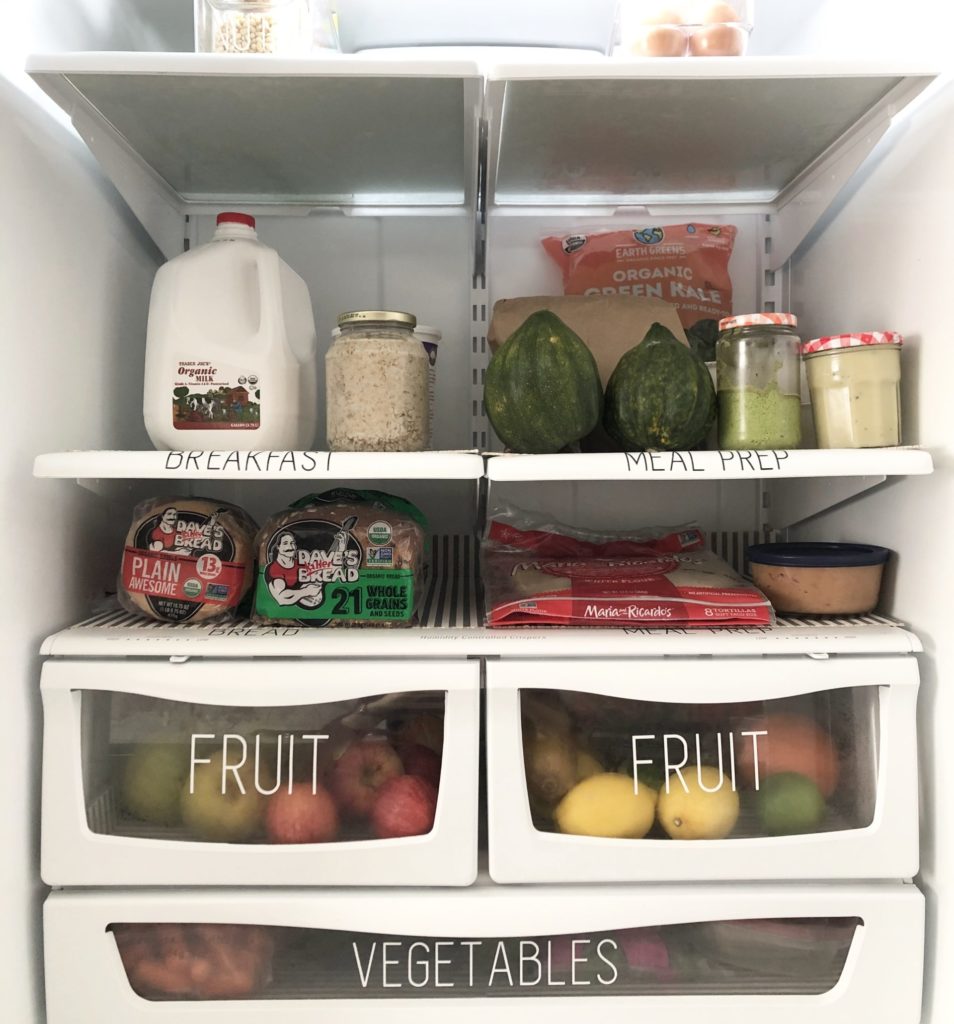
(818, 578)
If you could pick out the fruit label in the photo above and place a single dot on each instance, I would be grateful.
(181, 561)
(206, 396)
(667, 773)
(263, 764)
(317, 571)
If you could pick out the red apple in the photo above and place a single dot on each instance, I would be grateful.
(360, 772)
(404, 806)
(301, 816)
(421, 761)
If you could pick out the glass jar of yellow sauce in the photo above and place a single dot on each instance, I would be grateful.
(855, 382)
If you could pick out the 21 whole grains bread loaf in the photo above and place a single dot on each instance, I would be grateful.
(342, 558)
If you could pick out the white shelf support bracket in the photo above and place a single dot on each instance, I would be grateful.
(792, 501)
(153, 203)
(802, 205)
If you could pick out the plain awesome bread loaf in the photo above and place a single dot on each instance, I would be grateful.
(187, 559)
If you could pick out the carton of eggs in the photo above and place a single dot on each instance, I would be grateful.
(698, 28)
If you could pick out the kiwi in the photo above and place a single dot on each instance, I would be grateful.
(551, 766)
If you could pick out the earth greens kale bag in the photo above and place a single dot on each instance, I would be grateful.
(686, 265)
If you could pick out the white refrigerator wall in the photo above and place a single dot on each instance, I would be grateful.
(76, 273)
(882, 262)
(74, 287)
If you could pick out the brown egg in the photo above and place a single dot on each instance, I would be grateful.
(718, 41)
(719, 14)
(667, 41)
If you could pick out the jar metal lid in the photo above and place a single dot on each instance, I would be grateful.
(377, 316)
(818, 555)
(839, 341)
(759, 320)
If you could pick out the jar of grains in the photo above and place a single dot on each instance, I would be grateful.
(376, 373)
(253, 26)
(758, 373)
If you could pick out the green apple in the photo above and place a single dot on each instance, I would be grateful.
(214, 806)
(152, 780)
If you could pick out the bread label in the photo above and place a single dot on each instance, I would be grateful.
(180, 561)
(317, 570)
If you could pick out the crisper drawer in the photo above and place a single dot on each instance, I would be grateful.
(260, 772)
(702, 769)
(659, 955)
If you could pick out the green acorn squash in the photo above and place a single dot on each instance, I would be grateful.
(542, 389)
(660, 396)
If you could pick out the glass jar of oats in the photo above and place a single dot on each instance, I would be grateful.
(253, 26)
(376, 373)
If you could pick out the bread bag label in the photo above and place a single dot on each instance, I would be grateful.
(181, 561)
(317, 570)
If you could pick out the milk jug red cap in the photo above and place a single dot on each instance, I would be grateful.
(235, 218)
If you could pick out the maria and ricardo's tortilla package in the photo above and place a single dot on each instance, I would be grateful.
(342, 558)
(187, 560)
(686, 265)
(538, 573)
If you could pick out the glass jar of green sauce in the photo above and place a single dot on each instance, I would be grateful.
(757, 368)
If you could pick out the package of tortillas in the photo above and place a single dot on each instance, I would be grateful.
(342, 558)
(539, 573)
(187, 560)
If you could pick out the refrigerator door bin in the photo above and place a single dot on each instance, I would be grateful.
(774, 768)
(728, 953)
(259, 772)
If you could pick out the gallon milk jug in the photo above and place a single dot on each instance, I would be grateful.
(230, 348)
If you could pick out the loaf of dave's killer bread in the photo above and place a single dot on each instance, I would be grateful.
(342, 558)
(187, 560)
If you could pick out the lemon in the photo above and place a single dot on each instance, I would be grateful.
(698, 814)
(605, 805)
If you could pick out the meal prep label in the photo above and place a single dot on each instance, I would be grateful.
(206, 396)
(318, 571)
(180, 561)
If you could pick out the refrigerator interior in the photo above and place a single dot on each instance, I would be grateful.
(77, 273)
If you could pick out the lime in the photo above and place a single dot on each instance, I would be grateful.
(790, 804)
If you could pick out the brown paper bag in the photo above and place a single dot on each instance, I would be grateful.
(609, 325)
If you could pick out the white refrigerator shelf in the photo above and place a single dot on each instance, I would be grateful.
(719, 465)
(259, 465)
(451, 617)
